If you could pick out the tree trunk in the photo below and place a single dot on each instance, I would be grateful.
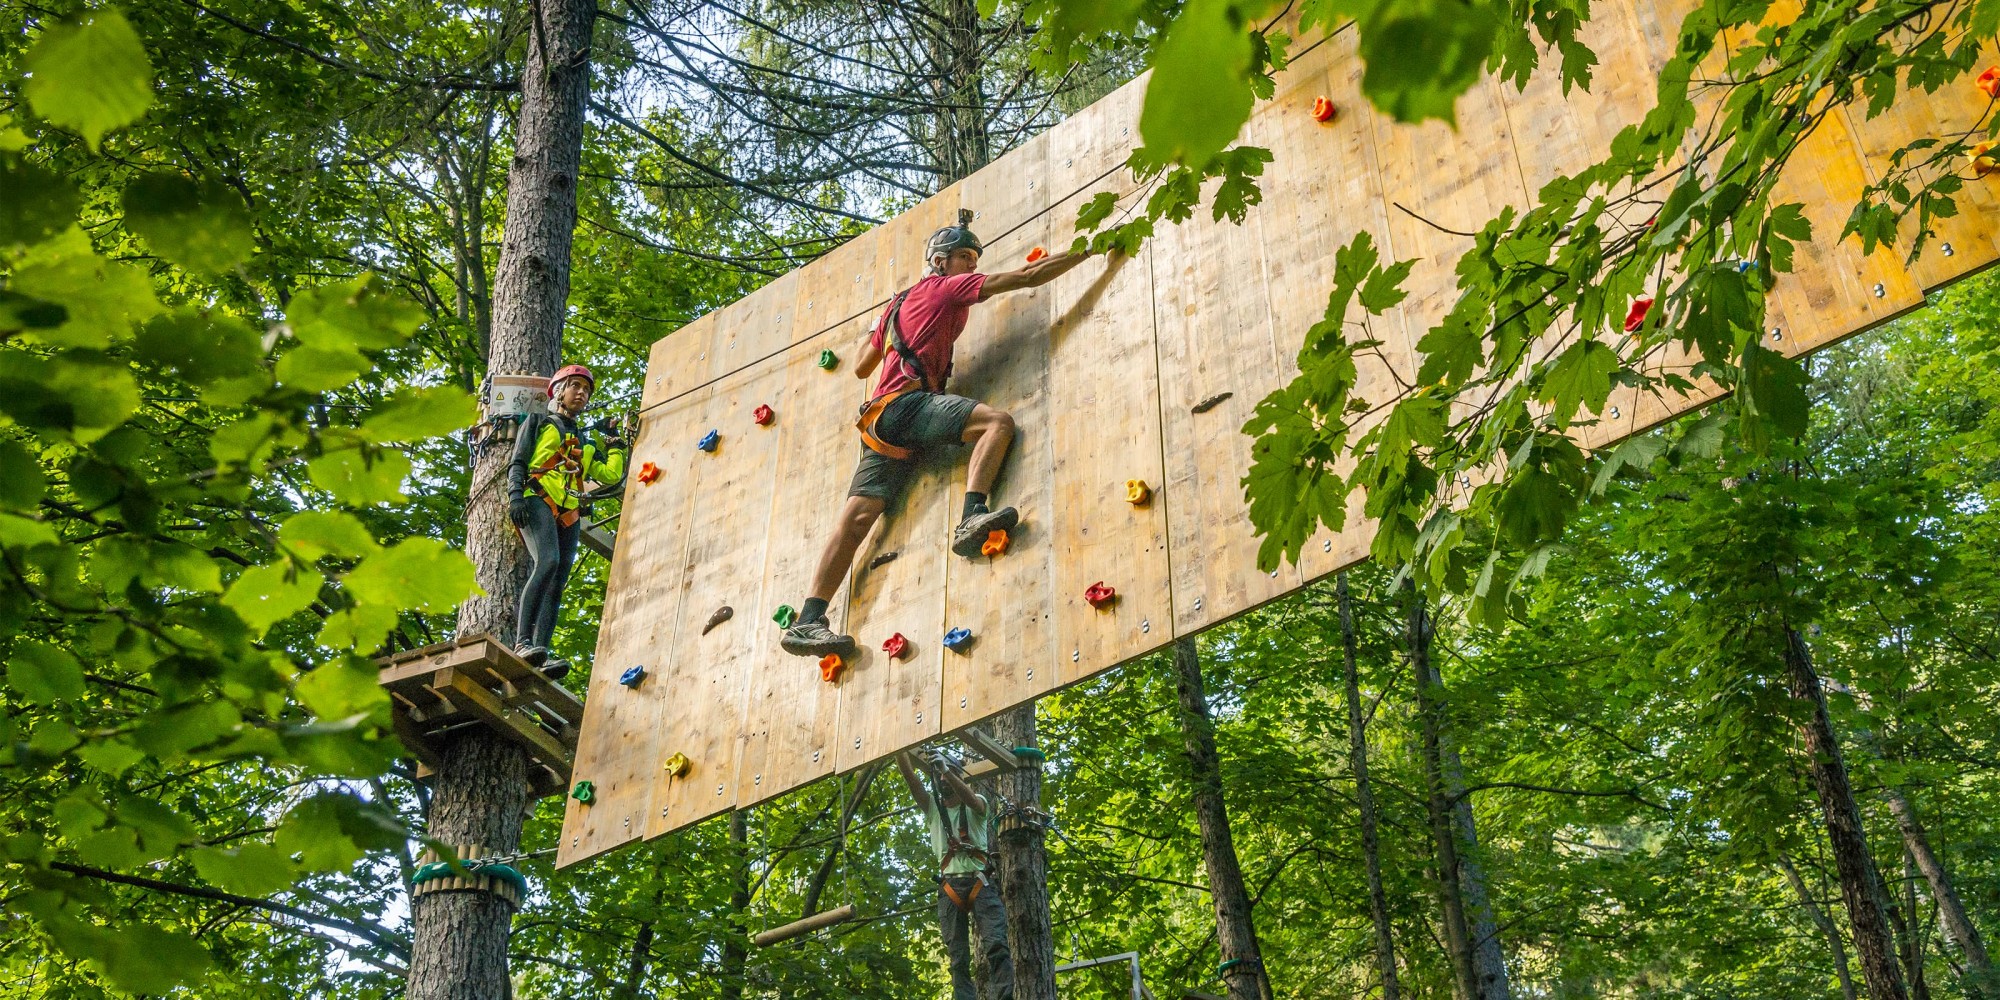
(1909, 929)
(1958, 926)
(963, 144)
(1834, 944)
(1024, 866)
(735, 947)
(1235, 930)
(635, 965)
(1860, 885)
(1364, 797)
(459, 939)
(1444, 832)
(1489, 963)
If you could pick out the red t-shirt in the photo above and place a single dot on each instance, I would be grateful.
(932, 317)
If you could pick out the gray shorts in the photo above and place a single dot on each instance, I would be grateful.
(913, 421)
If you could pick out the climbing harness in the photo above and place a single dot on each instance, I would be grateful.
(964, 902)
(871, 412)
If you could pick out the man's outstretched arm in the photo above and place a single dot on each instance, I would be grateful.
(917, 789)
(1040, 272)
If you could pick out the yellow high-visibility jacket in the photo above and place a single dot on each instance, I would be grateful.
(552, 460)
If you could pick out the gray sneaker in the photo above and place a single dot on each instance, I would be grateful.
(814, 638)
(971, 533)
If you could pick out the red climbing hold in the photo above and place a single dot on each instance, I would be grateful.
(1637, 314)
(762, 415)
(1100, 595)
(896, 646)
(1989, 82)
(1323, 110)
(830, 667)
(648, 473)
(1036, 254)
(996, 543)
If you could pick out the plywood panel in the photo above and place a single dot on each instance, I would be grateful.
(1963, 242)
(727, 531)
(790, 713)
(641, 605)
(677, 362)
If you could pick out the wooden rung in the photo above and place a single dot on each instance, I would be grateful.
(806, 925)
(518, 726)
(989, 748)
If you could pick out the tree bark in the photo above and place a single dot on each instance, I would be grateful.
(1958, 926)
(459, 939)
(735, 947)
(1235, 929)
(1834, 944)
(963, 142)
(1024, 866)
(1444, 831)
(1489, 963)
(1860, 884)
(1364, 797)
(635, 964)
(1909, 929)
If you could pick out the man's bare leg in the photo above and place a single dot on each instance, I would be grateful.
(810, 635)
(991, 433)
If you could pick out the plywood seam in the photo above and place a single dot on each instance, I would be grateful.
(1160, 491)
(872, 307)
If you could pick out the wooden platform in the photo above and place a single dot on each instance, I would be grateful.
(1106, 370)
(476, 681)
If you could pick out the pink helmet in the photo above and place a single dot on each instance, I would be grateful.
(568, 371)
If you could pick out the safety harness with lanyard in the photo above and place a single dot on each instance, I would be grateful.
(959, 841)
(871, 411)
(568, 459)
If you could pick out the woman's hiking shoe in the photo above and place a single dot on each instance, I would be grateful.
(814, 638)
(556, 670)
(972, 531)
(535, 655)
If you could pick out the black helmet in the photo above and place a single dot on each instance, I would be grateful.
(953, 238)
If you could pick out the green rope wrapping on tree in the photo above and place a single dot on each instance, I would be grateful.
(446, 869)
(1032, 753)
(1223, 969)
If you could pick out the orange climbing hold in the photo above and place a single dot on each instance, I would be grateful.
(1323, 110)
(1099, 595)
(996, 543)
(1989, 82)
(648, 474)
(1637, 314)
(1036, 254)
(1983, 160)
(830, 667)
(1137, 492)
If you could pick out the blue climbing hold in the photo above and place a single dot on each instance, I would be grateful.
(957, 638)
(633, 676)
(708, 441)
(1743, 266)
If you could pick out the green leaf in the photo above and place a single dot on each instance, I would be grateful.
(318, 369)
(24, 485)
(364, 314)
(201, 346)
(314, 534)
(1199, 95)
(144, 959)
(250, 870)
(1092, 213)
(204, 227)
(266, 595)
(44, 674)
(1384, 287)
(1772, 397)
(91, 77)
(360, 477)
(113, 757)
(1581, 375)
(104, 298)
(421, 574)
(343, 688)
(331, 831)
(361, 629)
(115, 848)
(415, 413)
(35, 202)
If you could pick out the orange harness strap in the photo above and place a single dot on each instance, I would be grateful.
(866, 425)
(964, 905)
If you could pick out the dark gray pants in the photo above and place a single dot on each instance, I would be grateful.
(553, 549)
(989, 919)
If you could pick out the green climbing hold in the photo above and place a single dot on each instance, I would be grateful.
(584, 792)
(1031, 753)
(827, 359)
(785, 616)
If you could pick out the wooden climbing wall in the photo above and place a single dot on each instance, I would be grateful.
(1103, 370)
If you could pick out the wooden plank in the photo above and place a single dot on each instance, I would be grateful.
(708, 680)
(791, 713)
(1002, 361)
(1213, 338)
(1106, 419)
(677, 364)
(515, 725)
(618, 748)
